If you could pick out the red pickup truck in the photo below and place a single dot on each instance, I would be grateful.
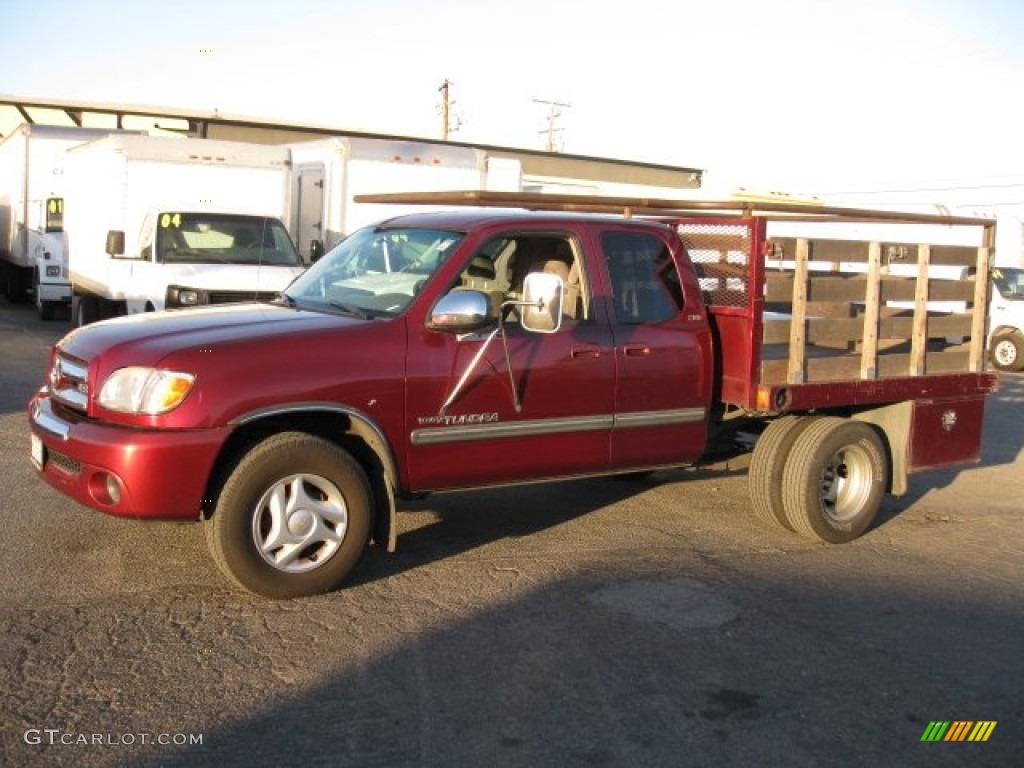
(488, 346)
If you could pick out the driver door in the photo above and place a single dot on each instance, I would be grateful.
(564, 381)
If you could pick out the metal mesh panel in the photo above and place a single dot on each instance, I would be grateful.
(721, 257)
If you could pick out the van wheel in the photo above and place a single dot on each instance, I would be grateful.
(834, 480)
(293, 518)
(85, 310)
(1007, 352)
(766, 466)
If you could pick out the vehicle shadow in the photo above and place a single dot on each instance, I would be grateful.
(665, 668)
(448, 525)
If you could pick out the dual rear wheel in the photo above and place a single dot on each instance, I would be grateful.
(820, 476)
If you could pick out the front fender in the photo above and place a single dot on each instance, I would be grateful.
(358, 425)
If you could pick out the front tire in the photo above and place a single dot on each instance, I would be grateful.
(1007, 352)
(834, 480)
(293, 519)
(85, 310)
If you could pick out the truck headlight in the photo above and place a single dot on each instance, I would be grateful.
(184, 297)
(53, 270)
(145, 390)
(188, 297)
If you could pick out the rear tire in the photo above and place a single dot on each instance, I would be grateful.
(834, 480)
(1007, 352)
(766, 468)
(293, 519)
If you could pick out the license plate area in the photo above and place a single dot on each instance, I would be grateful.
(38, 452)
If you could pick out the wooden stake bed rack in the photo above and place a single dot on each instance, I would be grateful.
(796, 305)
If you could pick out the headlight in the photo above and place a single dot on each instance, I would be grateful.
(184, 297)
(53, 270)
(145, 390)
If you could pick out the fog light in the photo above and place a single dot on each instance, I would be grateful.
(105, 488)
(113, 489)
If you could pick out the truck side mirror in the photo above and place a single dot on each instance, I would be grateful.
(316, 250)
(115, 243)
(461, 312)
(543, 294)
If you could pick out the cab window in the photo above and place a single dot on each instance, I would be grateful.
(501, 265)
(646, 287)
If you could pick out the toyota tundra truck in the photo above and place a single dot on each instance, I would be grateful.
(522, 337)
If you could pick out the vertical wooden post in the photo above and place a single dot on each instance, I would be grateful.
(919, 340)
(979, 313)
(872, 302)
(797, 334)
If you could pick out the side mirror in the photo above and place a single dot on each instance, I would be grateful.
(543, 294)
(461, 312)
(316, 250)
(115, 243)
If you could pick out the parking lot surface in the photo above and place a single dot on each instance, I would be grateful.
(588, 623)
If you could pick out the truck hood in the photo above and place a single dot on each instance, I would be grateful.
(225, 277)
(145, 339)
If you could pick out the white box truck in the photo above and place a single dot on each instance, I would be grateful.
(32, 186)
(327, 174)
(158, 222)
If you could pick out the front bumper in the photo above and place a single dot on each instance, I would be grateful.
(151, 474)
(55, 292)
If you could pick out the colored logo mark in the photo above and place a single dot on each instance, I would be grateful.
(958, 730)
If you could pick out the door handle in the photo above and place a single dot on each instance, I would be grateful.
(585, 353)
(636, 350)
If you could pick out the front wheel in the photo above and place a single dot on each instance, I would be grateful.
(834, 480)
(293, 518)
(1007, 352)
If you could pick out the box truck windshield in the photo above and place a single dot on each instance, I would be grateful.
(222, 239)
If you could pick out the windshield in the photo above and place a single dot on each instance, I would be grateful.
(375, 272)
(1010, 282)
(223, 239)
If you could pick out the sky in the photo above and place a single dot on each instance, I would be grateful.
(772, 95)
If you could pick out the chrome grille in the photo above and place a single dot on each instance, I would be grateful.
(69, 382)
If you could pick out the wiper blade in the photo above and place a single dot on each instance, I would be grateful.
(348, 309)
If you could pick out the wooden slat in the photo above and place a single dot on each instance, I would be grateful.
(839, 330)
(827, 287)
(847, 367)
(872, 302)
(797, 343)
(919, 336)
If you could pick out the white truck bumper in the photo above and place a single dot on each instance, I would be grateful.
(56, 292)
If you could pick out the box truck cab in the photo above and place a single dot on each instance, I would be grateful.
(155, 223)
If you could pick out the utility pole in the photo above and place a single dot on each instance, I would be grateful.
(554, 112)
(449, 124)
